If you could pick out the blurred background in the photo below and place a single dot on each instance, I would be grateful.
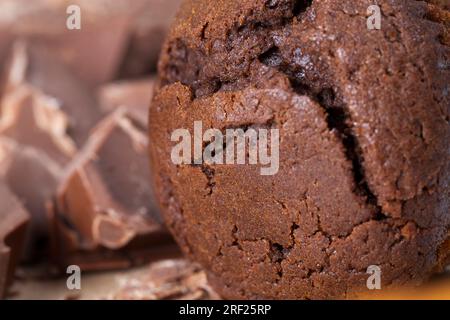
(74, 180)
(76, 82)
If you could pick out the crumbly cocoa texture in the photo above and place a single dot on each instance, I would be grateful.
(364, 143)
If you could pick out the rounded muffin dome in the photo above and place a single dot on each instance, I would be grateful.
(363, 121)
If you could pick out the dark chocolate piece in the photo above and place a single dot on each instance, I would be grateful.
(13, 222)
(105, 200)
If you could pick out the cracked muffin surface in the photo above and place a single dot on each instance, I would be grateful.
(363, 117)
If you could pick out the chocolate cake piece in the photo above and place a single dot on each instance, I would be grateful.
(13, 224)
(362, 116)
(104, 200)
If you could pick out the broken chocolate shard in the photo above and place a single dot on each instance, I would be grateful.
(45, 117)
(13, 222)
(33, 119)
(93, 52)
(23, 168)
(116, 38)
(104, 200)
(150, 21)
(39, 88)
(175, 279)
(134, 95)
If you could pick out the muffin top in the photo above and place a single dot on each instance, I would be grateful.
(373, 104)
(391, 85)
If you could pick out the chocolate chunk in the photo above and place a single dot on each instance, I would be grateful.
(34, 119)
(46, 116)
(93, 52)
(151, 23)
(104, 200)
(175, 279)
(61, 105)
(13, 224)
(116, 37)
(33, 176)
(134, 95)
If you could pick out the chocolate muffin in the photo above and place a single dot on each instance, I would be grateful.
(363, 120)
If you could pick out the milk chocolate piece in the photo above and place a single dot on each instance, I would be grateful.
(53, 100)
(150, 27)
(175, 279)
(34, 119)
(134, 95)
(94, 52)
(33, 176)
(104, 200)
(117, 38)
(13, 221)
(46, 116)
